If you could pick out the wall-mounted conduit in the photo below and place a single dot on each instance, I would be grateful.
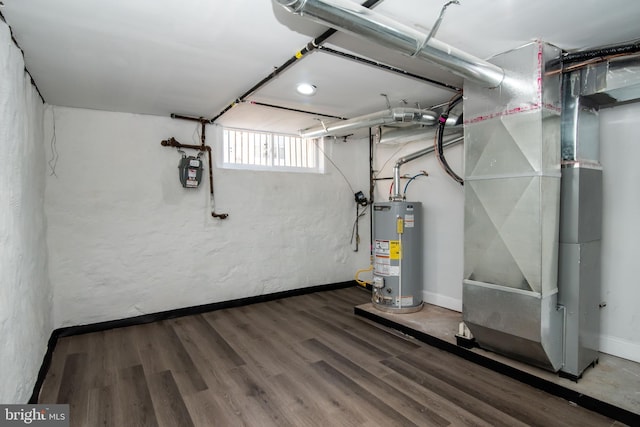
(386, 67)
(317, 44)
(311, 46)
(295, 110)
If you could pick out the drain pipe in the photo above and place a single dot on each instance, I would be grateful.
(396, 196)
(352, 18)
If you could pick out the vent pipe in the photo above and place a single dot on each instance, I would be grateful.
(352, 18)
(413, 156)
(386, 117)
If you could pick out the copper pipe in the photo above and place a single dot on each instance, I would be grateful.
(172, 142)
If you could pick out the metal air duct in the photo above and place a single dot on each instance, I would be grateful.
(386, 117)
(364, 23)
(581, 214)
(512, 195)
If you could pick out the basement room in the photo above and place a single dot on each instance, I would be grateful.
(319, 213)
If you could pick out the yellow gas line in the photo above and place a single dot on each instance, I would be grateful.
(363, 282)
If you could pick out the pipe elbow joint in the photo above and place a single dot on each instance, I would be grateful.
(292, 5)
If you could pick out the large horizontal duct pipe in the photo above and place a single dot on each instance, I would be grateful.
(413, 156)
(380, 118)
(352, 18)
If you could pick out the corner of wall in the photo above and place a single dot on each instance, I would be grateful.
(25, 306)
(620, 348)
(442, 301)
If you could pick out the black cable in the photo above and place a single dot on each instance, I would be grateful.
(371, 191)
(388, 68)
(296, 110)
(439, 136)
(355, 231)
(315, 141)
(580, 56)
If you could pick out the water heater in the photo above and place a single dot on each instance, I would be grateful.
(397, 256)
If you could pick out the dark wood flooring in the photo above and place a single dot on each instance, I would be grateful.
(300, 361)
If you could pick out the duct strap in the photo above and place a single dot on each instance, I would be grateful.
(435, 27)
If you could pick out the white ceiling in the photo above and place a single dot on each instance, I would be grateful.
(194, 57)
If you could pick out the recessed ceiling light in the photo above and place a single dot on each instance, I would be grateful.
(306, 89)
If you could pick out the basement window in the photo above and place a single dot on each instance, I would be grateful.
(247, 149)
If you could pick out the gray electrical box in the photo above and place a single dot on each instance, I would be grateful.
(190, 170)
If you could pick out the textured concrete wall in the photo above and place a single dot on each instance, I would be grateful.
(442, 215)
(126, 239)
(25, 298)
(619, 151)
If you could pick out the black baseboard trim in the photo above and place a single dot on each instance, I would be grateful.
(44, 368)
(587, 402)
(164, 315)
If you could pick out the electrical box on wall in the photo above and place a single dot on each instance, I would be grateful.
(190, 170)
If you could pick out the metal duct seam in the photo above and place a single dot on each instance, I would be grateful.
(385, 117)
(362, 22)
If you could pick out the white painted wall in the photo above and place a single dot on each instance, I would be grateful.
(443, 216)
(619, 153)
(126, 239)
(25, 298)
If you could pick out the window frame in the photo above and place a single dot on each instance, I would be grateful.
(288, 146)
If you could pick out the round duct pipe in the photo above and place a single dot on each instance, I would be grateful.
(387, 117)
(352, 18)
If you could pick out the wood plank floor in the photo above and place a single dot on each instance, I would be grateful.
(300, 361)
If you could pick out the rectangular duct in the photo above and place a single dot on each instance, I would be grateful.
(608, 82)
(581, 214)
(579, 264)
(512, 193)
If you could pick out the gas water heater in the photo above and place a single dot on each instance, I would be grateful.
(397, 256)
